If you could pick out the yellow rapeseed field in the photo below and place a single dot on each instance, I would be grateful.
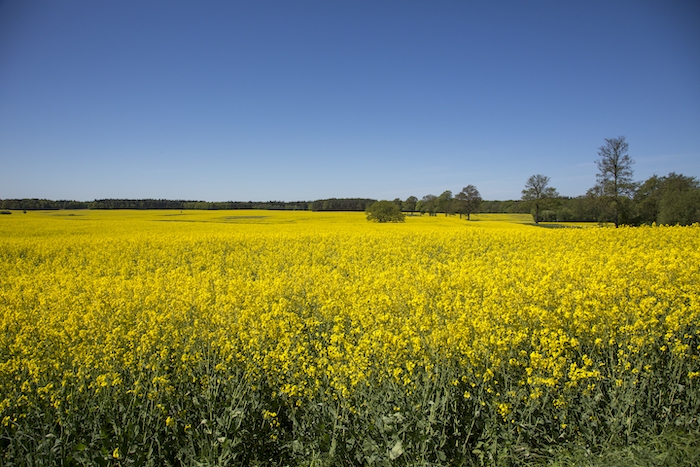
(293, 338)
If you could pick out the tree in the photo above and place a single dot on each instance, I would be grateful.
(427, 204)
(593, 205)
(680, 203)
(646, 200)
(410, 204)
(537, 191)
(615, 173)
(444, 202)
(673, 199)
(384, 211)
(469, 200)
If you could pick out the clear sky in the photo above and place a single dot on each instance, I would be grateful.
(301, 100)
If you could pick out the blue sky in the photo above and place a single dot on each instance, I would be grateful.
(301, 100)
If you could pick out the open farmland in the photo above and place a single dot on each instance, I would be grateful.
(300, 338)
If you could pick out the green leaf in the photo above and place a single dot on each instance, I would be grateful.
(396, 451)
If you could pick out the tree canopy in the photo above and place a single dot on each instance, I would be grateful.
(536, 191)
(385, 211)
(468, 201)
(410, 204)
(673, 199)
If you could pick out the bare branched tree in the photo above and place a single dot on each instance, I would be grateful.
(615, 173)
(536, 191)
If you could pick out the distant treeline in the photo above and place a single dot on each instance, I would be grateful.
(333, 204)
(579, 209)
(35, 204)
(672, 199)
(342, 204)
(509, 206)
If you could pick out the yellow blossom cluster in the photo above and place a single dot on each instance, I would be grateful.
(170, 311)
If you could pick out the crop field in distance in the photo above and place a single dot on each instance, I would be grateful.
(298, 338)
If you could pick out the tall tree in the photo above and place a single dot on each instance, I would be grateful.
(444, 202)
(537, 191)
(615, 173)
(469, 200)
(427, 204)
(410, 204)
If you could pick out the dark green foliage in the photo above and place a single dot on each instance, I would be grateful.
(445, 202)
(45, 204)
(673, 199)
(507, 206)
(384, 211)
(670, 448)
(342, 204)
(468, 201)
(410, 204)
(427, 204)
(648, 420)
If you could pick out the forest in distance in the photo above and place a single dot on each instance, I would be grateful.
(671, 199)
(616, 197)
